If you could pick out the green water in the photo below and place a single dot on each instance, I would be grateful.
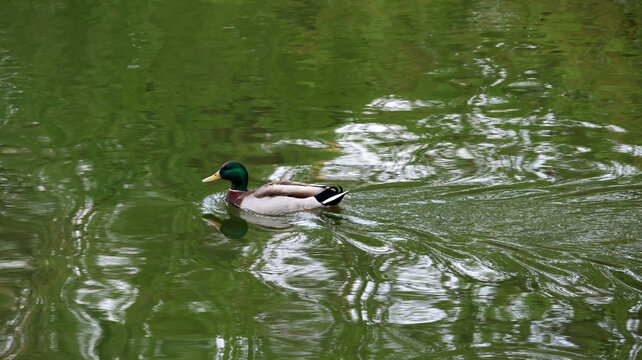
(493, 151)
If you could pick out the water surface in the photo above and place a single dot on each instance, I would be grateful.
(492, 149)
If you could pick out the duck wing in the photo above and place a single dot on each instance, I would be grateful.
(289, 189)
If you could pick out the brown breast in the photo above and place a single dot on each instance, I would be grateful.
(236, 197)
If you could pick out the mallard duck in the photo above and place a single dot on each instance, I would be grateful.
(276, 197)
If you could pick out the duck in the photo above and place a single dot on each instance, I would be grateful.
(277, 197)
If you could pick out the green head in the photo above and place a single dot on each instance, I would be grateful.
(234, 172)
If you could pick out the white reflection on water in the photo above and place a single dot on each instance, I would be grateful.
(381, 152)
(15, 264)
(235, 347)
(285, 261)
(502, 143)
(294, 262)
(635, 150)
(414, 312)
(367, 151)
(417, 290)
(393, 103)
(112, 297)
(478, 271)
(288, 172)
(90, 334)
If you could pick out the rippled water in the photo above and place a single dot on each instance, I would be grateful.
(492, 151)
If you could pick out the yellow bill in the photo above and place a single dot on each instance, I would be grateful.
(214, 177)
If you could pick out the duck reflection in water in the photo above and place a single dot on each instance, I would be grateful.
(233, 227)
(235, 224)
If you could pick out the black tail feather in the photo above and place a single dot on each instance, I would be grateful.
(328, 193)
